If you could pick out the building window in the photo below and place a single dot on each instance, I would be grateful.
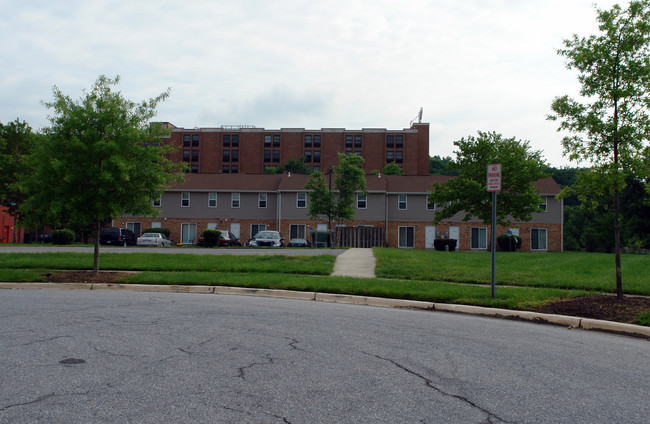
(156, 224)
(267, 140)
(195, 140)
(194, 169)
(362, 201)
(399, 141)
(276, 156)
(317, 141)
(234, 169)
(538, 239)
(225, 169)
(276, 140)
(186, 140)
(316, 157)
(390, 141)
(186, 155)
(301, 200)
(234, 156)
(212, 199)
(544, 204)
(430, 205)
(479, 238)
(399, 156)
(316, 168)
(307, 156)
(256, 228)
(297, 231)
(261, 200)
(195, 155)
(226, 155)
(401, 202)
(357, 141)
(156, 203)
(136, 227)
(406, 237)
(390, 157)
(185, 199)
(348, 141)
(235, 140)
(307, 141)
(226, 140)
(188, 233)
(234, 200)
(267, 156)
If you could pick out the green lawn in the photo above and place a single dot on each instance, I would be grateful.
(525, 280)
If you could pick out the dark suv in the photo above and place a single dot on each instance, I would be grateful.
(117, 236)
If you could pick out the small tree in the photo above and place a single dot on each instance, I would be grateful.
(349, 180)
(392, 169)
(610, 123)
(16, 141)
(101, 158)
(520, 167)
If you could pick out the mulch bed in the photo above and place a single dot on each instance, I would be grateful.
(592, 306)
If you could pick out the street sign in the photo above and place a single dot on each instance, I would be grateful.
(494, 177)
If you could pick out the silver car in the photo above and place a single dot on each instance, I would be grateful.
(267, 239)
(154, 239)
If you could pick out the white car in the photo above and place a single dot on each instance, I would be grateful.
(267, 239)
(154, 239)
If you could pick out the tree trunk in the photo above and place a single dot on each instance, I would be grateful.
(96, 249)
(617, 243)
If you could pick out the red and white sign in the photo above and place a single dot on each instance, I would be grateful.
(494, 177)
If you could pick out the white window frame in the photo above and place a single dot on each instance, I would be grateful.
(362, 201)
(235, 200)
(156, 224)
(262, 200)
(212, 199)
(404, 244)
(537, 239)
(185, 199)
(478, 242)
(301, 200)
(299, 230)
(543, 207)
(184, 236)
(212, 226)
(428, 206)
(399, 202)
(260, 227)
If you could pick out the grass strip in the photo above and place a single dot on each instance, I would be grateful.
(563, 270)
(431, 291)
(318, 265)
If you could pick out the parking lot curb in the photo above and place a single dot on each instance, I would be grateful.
(563, 320)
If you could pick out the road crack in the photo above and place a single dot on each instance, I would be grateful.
(242, 370)
(429, 383)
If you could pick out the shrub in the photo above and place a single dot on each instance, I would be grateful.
(211, 238)
(445, 244)
(509, 243)
(63, 236)
(164, 231)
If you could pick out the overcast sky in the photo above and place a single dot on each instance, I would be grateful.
(488, 65)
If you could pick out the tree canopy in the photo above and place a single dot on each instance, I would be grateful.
(467, 193)
(16, 141)
(609, 125)
(101, 157)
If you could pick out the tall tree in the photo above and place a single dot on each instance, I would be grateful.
(102, 157)
(467, 193)
(16, 140)
(610, 125)
(349, 180)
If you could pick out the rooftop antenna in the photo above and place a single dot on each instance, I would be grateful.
(418, 117)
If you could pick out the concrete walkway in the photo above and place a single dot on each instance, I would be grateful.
(355, 262)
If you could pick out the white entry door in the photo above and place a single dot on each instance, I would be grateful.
(235, 228)
(429, 236)
(454, 233)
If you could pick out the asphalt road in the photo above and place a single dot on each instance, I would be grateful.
(115, 356)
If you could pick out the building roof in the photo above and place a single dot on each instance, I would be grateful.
(296, 182)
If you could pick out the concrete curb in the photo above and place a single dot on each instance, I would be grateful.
(566, 321)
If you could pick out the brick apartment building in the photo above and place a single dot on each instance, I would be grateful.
(250, 150)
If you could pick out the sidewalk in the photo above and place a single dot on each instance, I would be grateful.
(355, 262)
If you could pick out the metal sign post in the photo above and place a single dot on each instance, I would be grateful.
(494, 185)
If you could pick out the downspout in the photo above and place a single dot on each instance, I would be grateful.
(385, 212)
(279, 211)
(562, 225)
